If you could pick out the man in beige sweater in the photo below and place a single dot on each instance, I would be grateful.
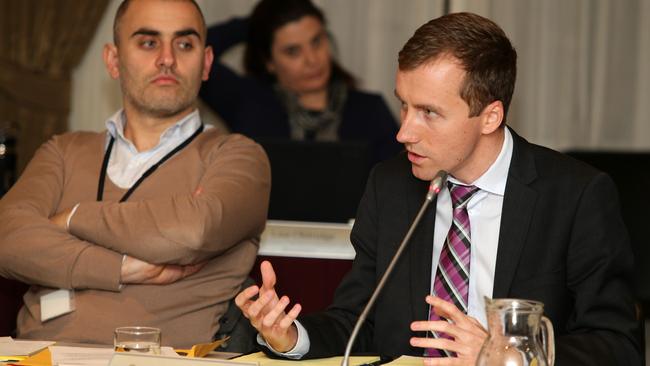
(155, 221)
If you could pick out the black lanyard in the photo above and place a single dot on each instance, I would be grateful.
(107, 156)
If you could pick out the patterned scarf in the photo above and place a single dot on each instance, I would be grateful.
(308, 124)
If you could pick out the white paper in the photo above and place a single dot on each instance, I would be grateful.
(75, 356)
(138, 359)
(81, 356)
(10, 347)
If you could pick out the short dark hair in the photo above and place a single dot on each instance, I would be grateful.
(265, 19)
(124, 6)
(481, 46)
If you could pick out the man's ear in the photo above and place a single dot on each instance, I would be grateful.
(208, 57)
(111, 60)
(492, 116)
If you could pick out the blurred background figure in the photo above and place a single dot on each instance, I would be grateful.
(293, 87)
(7, 156)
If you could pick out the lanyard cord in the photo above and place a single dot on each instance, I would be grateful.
(107, 156)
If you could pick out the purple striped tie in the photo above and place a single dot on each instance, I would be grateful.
(452, 276)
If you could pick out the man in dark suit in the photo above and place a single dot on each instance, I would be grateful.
(518, 221)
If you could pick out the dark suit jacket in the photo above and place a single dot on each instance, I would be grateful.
(562, 241)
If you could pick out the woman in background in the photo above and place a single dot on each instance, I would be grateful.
(293, 87)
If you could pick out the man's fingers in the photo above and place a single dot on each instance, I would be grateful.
(277, 311)
(256, 307)
(191, 269)
(436, 326)
(445, 309)
(287, 321)
(268, 275)
(245, 296)
(439, 343)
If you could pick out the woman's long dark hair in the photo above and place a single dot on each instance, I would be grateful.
(266, 18)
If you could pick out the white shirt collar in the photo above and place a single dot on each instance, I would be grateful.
(185, 127)
(495, 178)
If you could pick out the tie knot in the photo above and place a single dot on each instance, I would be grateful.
(461, 194)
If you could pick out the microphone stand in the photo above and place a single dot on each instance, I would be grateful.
(434, 188)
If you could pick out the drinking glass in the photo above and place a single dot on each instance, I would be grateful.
(137, 339)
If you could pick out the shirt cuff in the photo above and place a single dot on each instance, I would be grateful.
(67, 222)
(298, 351)
(121, 284)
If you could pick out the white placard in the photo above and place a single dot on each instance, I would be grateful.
(91, 356)
(307, 240)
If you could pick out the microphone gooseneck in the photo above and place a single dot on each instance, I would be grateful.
(434, 188)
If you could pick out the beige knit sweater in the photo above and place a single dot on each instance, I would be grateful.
(162, 222)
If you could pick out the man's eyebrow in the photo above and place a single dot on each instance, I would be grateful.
(145, 32)
(430, 107)
(155, 33)
(187, 32)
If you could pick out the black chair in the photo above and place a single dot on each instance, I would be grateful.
(631, 173)
(234, 325)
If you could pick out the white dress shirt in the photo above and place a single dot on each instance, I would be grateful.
(126, 164)
(484, 210)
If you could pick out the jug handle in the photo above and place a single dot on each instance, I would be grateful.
(548, 340)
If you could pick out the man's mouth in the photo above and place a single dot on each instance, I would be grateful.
(165, 80)
(414, 158)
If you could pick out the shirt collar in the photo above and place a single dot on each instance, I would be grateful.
(185, 127)
(494, 179)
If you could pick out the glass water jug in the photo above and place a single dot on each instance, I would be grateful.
(519, 335)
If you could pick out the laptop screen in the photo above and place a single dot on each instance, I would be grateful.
(316, 181)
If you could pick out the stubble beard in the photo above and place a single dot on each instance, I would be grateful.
(154, 101)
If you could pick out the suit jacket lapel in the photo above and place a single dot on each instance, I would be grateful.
(518, 207)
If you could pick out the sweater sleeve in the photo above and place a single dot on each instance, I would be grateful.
(188, 228)
(34, 250)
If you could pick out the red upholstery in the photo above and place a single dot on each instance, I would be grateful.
(309, 281)
(11, 299)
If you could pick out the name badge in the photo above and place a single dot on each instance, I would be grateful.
(56, 303)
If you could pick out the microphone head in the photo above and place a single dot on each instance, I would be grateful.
(436, 184)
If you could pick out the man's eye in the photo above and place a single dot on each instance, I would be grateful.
(185, 45)
(149, 43)
(430, 113)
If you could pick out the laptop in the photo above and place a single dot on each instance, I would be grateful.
(316, 181)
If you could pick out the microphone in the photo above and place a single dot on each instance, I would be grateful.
(434, 188)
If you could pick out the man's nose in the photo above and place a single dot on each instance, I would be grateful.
(406, 133)
(166, 57)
